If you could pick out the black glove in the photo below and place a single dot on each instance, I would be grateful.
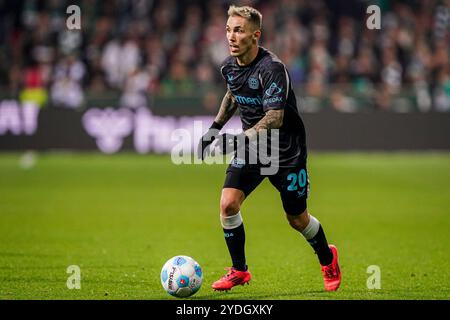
(207, 139)
(231, 142)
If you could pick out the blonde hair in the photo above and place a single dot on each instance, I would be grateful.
(251, 14)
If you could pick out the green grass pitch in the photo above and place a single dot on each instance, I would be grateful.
(119, 218)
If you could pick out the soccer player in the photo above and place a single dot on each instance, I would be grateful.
(259, 86)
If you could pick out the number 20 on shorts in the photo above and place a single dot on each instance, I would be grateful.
(301, 178)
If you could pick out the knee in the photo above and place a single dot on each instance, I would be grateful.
(299, 222)
(229, 206)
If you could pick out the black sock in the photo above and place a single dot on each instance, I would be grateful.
(320, 246)
(235, 239)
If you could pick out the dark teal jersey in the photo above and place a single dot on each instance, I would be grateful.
(265, 85)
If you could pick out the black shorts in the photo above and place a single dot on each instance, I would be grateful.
(292, 184)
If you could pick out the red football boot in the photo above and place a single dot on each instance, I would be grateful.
(331, 273)
(232, 278)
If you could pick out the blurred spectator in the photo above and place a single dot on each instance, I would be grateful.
(120, 57)
(442, 91)
(383, 98)
(178, 81)
(341, 102)
(391, 71)
(67, 89)
(214, 40)
(136, 89)
(363, 71)
(34, 85)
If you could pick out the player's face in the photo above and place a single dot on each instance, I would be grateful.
(241, 36)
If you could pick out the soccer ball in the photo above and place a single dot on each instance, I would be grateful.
(181, 276)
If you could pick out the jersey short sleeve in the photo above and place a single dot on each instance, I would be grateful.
(224, 71)
(275, 82)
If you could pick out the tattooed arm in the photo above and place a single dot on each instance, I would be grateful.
(227, 109)
(272, 120)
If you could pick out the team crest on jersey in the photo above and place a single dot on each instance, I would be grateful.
(253, 83)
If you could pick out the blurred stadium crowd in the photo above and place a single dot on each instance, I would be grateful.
(142, 48)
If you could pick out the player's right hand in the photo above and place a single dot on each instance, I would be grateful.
(207, 139)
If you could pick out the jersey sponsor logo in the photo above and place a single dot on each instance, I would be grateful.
(273, 100)
(255, 101)
(273, 90)
(253, 83)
